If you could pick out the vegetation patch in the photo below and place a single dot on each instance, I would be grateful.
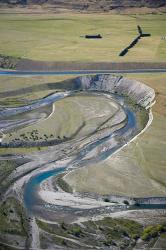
(6, 167)
(111, 232)
(63, 184)
(153, 231)
(8, 62)
(5, 247)
(122, 233)
(12, 217)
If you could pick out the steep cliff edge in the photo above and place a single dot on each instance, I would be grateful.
(140, 93)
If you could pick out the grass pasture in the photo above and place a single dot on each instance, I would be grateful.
(69, 115)
(57, 37)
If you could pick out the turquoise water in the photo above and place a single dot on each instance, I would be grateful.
(80, 72)
(31, 197)
(30, 191)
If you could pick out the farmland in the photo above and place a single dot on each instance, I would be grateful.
(60, 37)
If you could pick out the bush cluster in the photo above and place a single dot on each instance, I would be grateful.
(153, 231)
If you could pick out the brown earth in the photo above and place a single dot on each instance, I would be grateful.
(8, 62)
(26, 64)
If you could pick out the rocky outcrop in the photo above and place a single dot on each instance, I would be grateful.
(8, 62)
(140, 93)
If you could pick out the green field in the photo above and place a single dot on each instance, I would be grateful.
(57, 37)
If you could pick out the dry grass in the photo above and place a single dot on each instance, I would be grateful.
(57, 37)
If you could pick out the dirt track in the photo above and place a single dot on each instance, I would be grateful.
(26, 64)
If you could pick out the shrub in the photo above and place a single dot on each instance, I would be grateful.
(76, 231)
(63, 226)
(106, 200)
(145, 236)
(152, 231)
(126, 202)
(109, 242)
(135, 236)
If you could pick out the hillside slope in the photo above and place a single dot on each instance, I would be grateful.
(92, 4)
